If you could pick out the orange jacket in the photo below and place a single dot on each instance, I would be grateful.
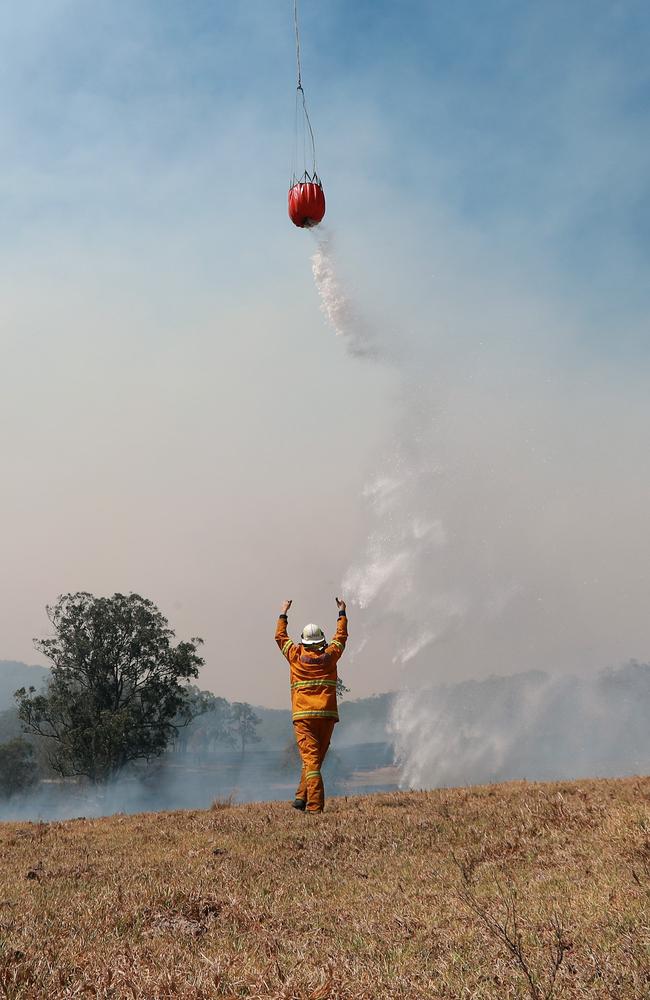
(313, 675)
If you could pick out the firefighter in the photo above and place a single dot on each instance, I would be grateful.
(314, 712)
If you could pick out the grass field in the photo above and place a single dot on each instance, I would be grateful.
(520, 890)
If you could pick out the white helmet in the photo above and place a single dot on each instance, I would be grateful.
(312, 635)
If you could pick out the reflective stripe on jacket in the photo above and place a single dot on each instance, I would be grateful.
(313, 675)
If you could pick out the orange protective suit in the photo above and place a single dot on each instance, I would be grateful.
(313, 704)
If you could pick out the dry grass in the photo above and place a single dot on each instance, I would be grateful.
(401, 895)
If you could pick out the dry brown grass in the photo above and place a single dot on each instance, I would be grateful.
(385, 896)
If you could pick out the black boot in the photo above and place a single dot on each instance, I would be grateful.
(299, 804)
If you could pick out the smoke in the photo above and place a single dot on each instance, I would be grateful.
(531, 726)
(176, 781)
(503, 528)
(403, 573)
(159, 787)
(405, 536)
(400, 574)
(194, 779)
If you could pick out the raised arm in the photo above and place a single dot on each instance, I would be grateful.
(337, 645)
(285, 644)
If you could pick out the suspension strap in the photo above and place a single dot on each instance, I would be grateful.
(295, 24)
(299, 87)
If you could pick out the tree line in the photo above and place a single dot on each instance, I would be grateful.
(120, 691)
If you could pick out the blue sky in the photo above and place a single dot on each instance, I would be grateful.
(511, 113)
(486, 168)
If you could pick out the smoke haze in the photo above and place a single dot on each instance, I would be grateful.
(501, 528)
(506, 519)
(532, 727)
(174, 419)
(507, 533)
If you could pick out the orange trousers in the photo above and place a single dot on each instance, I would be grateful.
(313, 738)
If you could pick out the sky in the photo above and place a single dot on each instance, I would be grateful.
(178, 419)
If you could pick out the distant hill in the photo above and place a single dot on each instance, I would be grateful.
(14, 675)
(364, 720)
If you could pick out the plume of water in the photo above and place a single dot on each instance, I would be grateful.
(336, 304)
(405, 537)
(404, 547)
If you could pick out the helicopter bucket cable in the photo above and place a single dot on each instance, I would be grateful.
(295, 24)
(300, 95)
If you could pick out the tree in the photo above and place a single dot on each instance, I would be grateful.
(211, 724)
(245, 723)
(18, 770)
(10, 726)
(116, 692)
